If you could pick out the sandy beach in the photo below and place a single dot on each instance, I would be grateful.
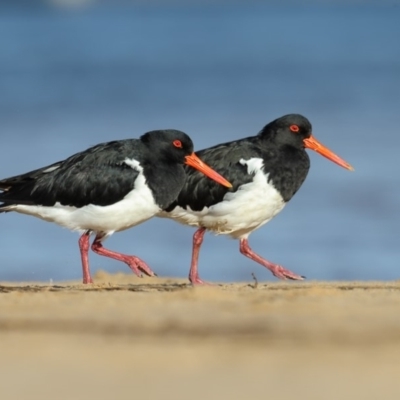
(153, 338)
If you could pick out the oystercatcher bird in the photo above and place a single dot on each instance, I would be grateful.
(107, 188)
(265, 170)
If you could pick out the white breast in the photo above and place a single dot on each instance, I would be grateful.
(250, 207)
(136, 207)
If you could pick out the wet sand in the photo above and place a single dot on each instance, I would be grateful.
(151, 338)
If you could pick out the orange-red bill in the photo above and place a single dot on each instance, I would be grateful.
(313, 144)
(196, 163)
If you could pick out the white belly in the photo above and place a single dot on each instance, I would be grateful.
(250, 207)
(136, 207)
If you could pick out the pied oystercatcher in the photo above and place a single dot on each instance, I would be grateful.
(265, 170)
(107, 188)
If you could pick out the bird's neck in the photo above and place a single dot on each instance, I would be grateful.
(165, 182)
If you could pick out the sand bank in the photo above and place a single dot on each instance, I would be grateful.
(151, 338)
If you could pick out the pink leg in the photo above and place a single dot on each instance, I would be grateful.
(277, 270)
(135, 263)
(197, 242)
(84, 249)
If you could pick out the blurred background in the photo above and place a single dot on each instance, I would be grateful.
(76, 73)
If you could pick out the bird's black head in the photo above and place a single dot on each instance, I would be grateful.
(290, 130)
(169, 145)
(295, 130)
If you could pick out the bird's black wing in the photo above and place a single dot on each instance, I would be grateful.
(98, 176)
(199, 191)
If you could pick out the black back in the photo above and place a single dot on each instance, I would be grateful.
(101, 176)
(282, 152)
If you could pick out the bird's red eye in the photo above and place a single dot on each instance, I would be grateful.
(177, 143)
(294, 128)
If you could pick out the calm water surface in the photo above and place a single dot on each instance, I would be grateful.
(73, 78)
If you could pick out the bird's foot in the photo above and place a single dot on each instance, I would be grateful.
(277, 270)
(283, 273)
(135, 263)
(138, 266)
(196, 281)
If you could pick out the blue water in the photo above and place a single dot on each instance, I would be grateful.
(74, 77)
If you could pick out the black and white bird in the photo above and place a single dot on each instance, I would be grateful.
(107, 188)
(265, 170)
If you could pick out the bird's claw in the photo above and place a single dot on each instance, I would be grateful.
(283, 273)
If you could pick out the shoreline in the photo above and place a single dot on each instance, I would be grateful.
(159, 338)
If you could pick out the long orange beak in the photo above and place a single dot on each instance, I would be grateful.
(313, 144)
(196, 163)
